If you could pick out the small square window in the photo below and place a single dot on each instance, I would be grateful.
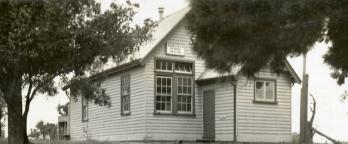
(265, 90)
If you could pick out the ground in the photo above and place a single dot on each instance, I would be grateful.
(60, 142)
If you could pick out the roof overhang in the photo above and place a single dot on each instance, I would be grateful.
(212, 76)
(293, 74)
(115, 70)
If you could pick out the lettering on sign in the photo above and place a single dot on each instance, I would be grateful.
(175, 49)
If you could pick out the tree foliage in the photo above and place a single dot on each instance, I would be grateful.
(43, 40)
(34, 133)
(44, 129)
(254, 33)
(63, 110)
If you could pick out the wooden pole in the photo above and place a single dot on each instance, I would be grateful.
(303, 110)
(304, 103)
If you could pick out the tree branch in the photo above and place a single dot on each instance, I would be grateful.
(41, 85)
(30, 86)
(30, 96)
(313, 108)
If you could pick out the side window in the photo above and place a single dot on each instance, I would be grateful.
(125, 94)
(84, 109)
(265, 90)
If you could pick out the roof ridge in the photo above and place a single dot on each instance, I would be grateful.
(173, 13)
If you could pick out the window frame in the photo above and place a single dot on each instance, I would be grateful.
(266, 101)
(174, 75)
(122, 96)
(85, 116)
(177, 94)
(171, 94)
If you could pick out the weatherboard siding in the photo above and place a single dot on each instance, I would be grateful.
(264, 122)
(173, 127)
(106, 123)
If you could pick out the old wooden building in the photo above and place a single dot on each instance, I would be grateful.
(167, 94)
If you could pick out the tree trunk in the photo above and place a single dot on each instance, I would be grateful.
(15, 123)
(24, 122)
(0, 120)
(13, 98)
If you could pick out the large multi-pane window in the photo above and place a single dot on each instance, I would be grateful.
(174, 87)
(265, 90)
(184, 94)
(84, 109)
(163, 94)
(125, 94)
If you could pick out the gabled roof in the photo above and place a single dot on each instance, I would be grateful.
(164, 27)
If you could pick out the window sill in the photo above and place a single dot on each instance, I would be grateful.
(126, 114)
(173, 114)
(265, 102)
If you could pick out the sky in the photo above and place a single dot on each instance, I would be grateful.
(331, 116)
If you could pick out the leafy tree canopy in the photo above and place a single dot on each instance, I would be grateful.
(42, 40)
(253, 33)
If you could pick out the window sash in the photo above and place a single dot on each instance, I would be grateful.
(164, 66)
(164, 99)
(262, 94)
(184, 98)
(84, 108)
(125, 94)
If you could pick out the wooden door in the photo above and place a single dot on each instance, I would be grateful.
(209, 114)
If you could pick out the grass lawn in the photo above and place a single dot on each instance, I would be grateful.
(2, 141)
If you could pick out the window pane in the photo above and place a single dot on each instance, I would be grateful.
(189, 90)
(158, 106)
(189, 107)
(180, 89)
(270, 86)
(169, 66)
(169, 82)
(259, 90)
(169, 90)
(179, 81)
